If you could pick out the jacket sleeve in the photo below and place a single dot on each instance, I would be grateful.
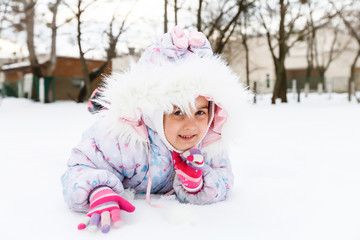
(88, 169)
(218, 179)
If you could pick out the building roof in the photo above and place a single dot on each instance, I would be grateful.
(41, 58)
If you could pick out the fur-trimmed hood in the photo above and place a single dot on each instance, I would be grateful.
(134, 99)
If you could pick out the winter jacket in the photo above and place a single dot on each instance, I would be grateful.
(127, 142)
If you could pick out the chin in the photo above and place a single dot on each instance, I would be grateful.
(185, 148)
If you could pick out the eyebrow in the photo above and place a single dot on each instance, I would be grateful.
(207, 106)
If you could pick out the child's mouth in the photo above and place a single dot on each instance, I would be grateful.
(187, 137)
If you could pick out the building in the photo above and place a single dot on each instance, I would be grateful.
(65, 85)
(262, 68)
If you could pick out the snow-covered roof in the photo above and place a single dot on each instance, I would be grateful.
(43, 58)
(15, 65)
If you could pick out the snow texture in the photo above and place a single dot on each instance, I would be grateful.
(297, 176)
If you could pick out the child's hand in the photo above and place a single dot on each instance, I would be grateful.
(189, 166)
(93, 105)
(105, 203)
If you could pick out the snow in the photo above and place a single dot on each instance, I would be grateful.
(297, 169)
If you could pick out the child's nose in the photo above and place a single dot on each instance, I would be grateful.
(190, 123)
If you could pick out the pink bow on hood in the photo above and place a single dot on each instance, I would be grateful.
(175, 46)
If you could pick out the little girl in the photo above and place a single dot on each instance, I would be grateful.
(164, 127)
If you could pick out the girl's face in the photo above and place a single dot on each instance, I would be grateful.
(184, 132)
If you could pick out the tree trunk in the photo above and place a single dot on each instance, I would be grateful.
(282, 71)
(352, 74)
(280, 88)
(87, 83)
(308, 72)
(277, 82)
(176, 12)
(52, 62)
(92, 76)
(110, 53)
(283, 85)
(247, 63)
(82, 59)
(34, 63)
(165, 17)
(199, 17)
(310, 55)
(244, 37)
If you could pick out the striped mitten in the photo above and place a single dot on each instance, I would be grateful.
(105, 203)
(189, 167)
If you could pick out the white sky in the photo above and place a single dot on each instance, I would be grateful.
(146, 21)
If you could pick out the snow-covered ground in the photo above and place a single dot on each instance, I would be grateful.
(297, 170)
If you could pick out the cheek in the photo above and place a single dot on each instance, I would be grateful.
(169, 129)
(203, 126)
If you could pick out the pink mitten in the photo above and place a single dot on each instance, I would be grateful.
(105, 203)
(189, 167)
(93, 105)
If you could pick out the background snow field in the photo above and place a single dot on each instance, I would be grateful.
(296, 166)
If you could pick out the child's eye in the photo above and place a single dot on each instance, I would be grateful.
(200, 112)
(178, 113)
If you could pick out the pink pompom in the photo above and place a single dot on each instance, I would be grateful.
(81, 226)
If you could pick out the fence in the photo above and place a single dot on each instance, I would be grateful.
(22, 88)
(336, 84)
(312, 84)
(47, 89)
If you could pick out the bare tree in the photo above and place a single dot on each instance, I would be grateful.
(29, 10)
(177, 7)
(351, 18)
(20, 16)
(165, 16)
(325, 57)
(244, 27)
(310, 40)
(313, 25)
(219, 23)
(216, 19)
(113, 39)
(80, 9)
(284, 15)
(29, 20)
(5, 6)
(52, 62)
(25, 21)
(199, 19)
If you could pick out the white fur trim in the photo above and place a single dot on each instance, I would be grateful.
(214, 150)
(136, 94)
